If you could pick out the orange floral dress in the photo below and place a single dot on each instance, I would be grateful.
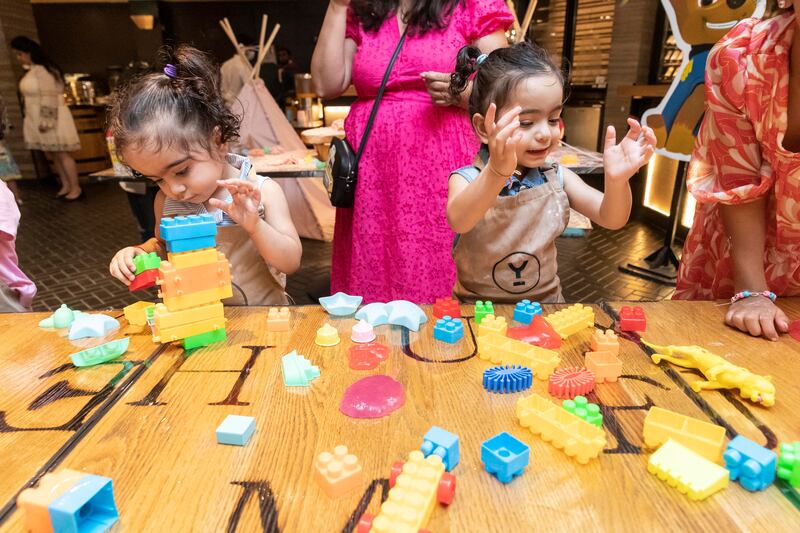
(739, 157)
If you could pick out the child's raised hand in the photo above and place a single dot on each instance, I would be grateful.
(623, 160)
(757, 316)
(244, 209)
(502, 140)
(122, 266)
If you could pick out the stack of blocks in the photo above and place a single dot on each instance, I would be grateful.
(193, 281)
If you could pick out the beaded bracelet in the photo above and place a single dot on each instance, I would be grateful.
(747, 294)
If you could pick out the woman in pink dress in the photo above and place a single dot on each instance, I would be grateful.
(395, 242)
(745, 175)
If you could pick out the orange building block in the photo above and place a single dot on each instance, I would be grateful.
(338, 472)
(493, 324)
(605, 365)
(605, 341)
(34, 502)
(194, 299)
(177, 282)
(704, 438)
(188, 330)
(193, 259)
(578, 438)
(502, 350)
(166, 319)
(278, 319)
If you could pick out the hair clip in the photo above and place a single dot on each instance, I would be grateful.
(481, 59)
(170, 70)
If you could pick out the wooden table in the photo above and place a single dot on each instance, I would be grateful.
(148, 422)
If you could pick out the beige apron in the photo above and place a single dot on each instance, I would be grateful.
(510, 254)
(254, 281)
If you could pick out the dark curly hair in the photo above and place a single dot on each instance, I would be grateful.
(157, 111)
(423, 16)
(500, 73)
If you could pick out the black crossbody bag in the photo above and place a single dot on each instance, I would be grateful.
(341, 174)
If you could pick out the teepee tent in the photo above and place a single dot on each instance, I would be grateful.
(264, 124)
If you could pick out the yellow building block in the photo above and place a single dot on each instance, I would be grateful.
(503, 350)
(166, 319)
(34, 502)
(136, 313)
(192, 259)
(278, 319)
(704, 438)
(188, 330)
(571, 320)
(177, 282)
(194, 299)
(687, 471)
(411, 501)
(605, 341)
(556, 425)
(493, 324)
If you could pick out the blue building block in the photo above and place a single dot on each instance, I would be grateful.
(189, 227)
(438, 441)
(753, 465)
(236, 430)
(526, 310)
(505, 456)
(87, 507)
(509, 378)
(448, 330)
(190, 245)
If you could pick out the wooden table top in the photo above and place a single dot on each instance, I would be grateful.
(148, 420)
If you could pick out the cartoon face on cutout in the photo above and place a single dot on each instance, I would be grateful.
(517, 273)
(707, 21)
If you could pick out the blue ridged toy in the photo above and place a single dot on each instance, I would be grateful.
(509, 378)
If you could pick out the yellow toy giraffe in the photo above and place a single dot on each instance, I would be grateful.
(721, 374)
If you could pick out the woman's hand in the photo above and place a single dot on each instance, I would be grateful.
(502, 140)
(45, 126)
(623, 160)
(438, 86)
(758, 316)
(244, 209)
(122, 266)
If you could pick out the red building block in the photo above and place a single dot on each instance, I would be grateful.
(446, 307)
(632, 319)
(145, 280)
(538, 333)
(567, 383)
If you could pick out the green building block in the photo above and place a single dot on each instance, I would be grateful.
(580, 407)
(101, 354)
(204, 339)
(482, 309)
(144, 262)
(297, 370)
(789, 463)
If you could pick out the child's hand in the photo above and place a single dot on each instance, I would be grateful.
(122, 266)
(758, 316)
(621, 161)
(502, 140)
(244, 209)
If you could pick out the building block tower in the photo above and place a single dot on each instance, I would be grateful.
(193, 281)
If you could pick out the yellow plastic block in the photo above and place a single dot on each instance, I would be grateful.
(493, 324)
(166, 319)
(338, 472)
(188, 330)
(687, 471)
(571, 320)
(278, 319)
(556, 425)
(192, 259)
(136, 313)
(327, 335)
(195, 299)
(411, 501)
(605, 341)
(704, 438)
(177, 282)
(503, 350)
(34, 502)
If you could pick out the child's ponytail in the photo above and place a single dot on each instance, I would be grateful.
(466, 65)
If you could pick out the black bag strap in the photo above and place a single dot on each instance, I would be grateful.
(378, 97)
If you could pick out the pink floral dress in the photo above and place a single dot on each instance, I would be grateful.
(739, 157)
(395, 242)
